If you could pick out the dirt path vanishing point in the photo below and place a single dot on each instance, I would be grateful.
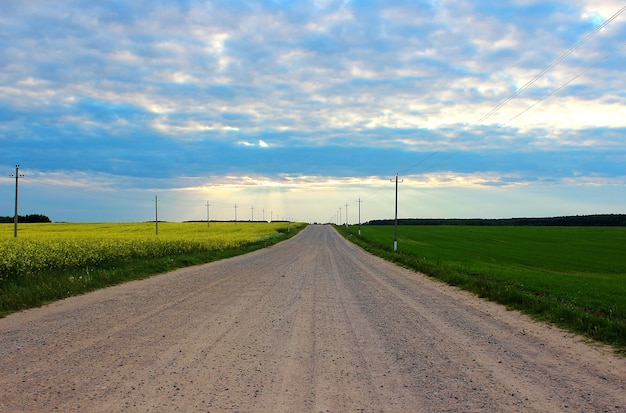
(312, 324)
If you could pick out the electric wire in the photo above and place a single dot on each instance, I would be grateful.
(551, 66)
(528, 84)
(537, 102)
(522, 89)
(140, 194)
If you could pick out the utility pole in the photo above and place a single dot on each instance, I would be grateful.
(156, 213)
(346, 215)
(208, 219)
(263, 214)
(395, 225)
(252, 218)
(235, 212)
(271, 216)
(340, 220)
(17, 176)
(359, 201)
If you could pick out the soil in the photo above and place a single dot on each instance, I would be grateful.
(312, 324)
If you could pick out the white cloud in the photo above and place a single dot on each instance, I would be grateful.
(599, 11)
(406, 79)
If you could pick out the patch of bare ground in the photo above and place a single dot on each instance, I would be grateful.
(312, 324)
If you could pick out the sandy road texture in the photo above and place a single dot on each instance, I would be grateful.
(313, 324)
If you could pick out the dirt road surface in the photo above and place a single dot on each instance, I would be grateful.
(313, 324)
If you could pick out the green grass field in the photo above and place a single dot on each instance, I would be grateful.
(574, 277)
(51, 261)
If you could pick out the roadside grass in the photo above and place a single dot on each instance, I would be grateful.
(49, 262)
(572, 277)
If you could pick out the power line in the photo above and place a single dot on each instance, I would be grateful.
(551, 66)
(537, 102)
(522, 89)
(530, 83)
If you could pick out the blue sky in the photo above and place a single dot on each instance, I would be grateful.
(295, 109)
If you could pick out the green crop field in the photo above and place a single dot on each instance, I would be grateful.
(574, 277)
(49, 261)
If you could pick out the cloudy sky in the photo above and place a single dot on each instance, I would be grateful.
(295, 109)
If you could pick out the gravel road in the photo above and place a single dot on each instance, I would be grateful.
(312, 324)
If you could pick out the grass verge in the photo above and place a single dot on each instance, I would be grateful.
(591, 309)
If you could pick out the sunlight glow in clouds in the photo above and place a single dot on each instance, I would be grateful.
(312, 105)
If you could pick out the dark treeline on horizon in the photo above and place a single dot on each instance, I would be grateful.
(609, 220)
(32, 218)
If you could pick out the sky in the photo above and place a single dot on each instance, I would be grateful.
(307, 110)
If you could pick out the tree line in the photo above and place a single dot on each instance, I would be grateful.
(32, 218)
(607, 220)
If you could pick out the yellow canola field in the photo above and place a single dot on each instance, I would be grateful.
(59, 246)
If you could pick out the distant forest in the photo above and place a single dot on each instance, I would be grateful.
(612, 220)
(26, 218)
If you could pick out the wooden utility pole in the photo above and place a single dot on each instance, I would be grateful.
(156, 213)
(359, 201)
(395, 225)
(15, 217)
